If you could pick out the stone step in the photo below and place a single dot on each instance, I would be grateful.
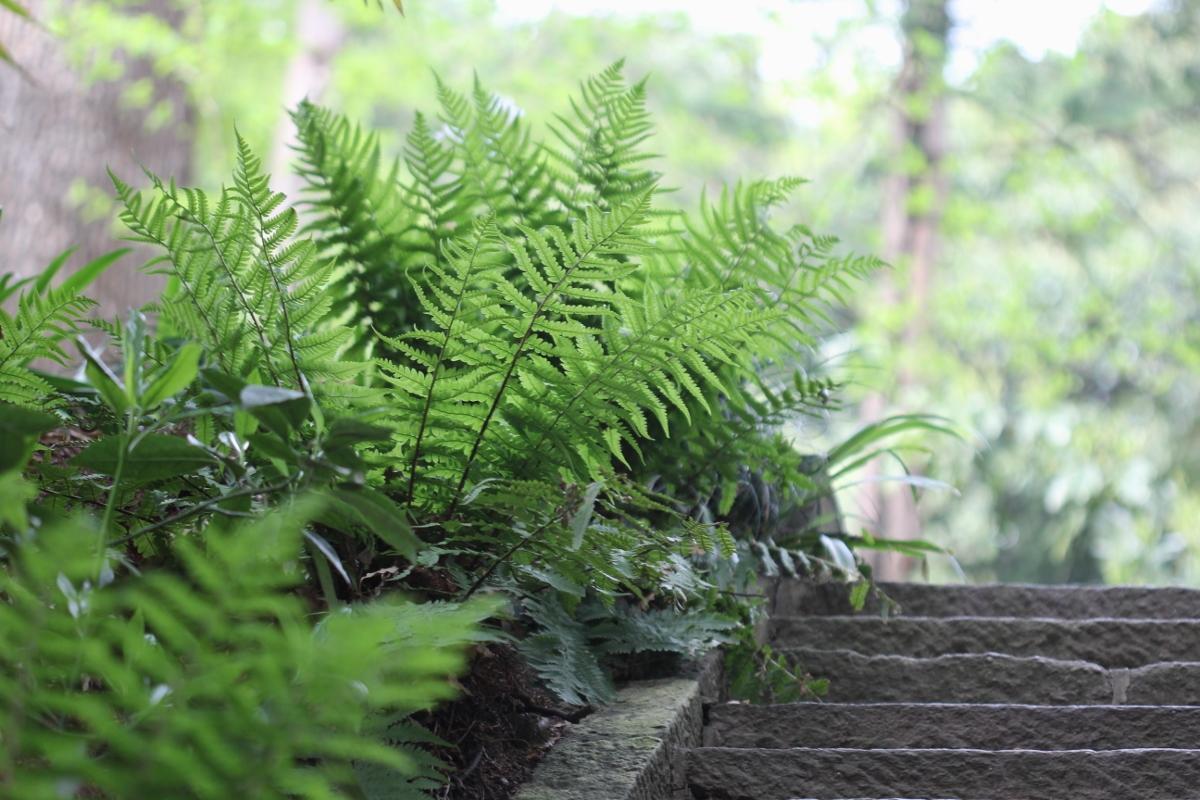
(948, 726)
(855, 678)
(1107, 642)
(795, 598)
(719, 773)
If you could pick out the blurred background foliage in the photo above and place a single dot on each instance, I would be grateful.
(1056, 316)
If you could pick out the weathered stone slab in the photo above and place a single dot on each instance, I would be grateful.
(944, 726)
(1161, 684)
(717, 773)
(990, 678)
(1107, 642)
(795, 598)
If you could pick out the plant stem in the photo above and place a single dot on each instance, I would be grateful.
(113, 492)
(505, 556)
(200, 507)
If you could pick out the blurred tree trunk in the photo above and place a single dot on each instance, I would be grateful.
(319, 36)
(914, 196)
(59, 133)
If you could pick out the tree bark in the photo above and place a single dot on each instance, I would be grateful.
(913, 200)
(319, 36)
(59, 134)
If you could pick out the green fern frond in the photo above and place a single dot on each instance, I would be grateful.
(599, 160)
(358, 217)
(562, 655)
(209, 684)
(625, 631)
(42, 322)
(243, 284)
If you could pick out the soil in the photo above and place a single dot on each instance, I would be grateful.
(500, 727)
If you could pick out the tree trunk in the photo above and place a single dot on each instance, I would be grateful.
(914, 196)
(59, 134)
(319, 37)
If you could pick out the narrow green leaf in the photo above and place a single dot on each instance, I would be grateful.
(85, 275)
(382, 517)
(583, 516)
(16, 8)
(176, 377)
(103, 380)
(43, 279)
(326, 550)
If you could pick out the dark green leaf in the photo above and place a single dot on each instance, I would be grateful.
(382, 517)
(19, 432)
(155, 456)
(583, 516)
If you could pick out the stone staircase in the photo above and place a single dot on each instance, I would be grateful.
(978, 693)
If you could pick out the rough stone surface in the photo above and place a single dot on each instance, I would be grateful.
(793, 598)
(947, 726)
(1108, 642)
(975, 693)
(990, 678)
(747, 774)
(633, 749)
(1164, 684)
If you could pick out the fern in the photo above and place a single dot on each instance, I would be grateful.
(504, 172)
(242, 283)
(43, 320)
(559, 373)
(599, 160)
(656, 631)
(360, 219)
(208, 685)
(562, 655)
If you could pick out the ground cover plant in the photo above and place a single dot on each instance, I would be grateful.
(496, 376)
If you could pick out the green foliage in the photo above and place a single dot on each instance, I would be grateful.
(208, 682)
(503, 345)
(241, 283)
(44, 319)
(544, 324)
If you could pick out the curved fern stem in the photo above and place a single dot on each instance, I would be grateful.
(636, 209)
(480, 235)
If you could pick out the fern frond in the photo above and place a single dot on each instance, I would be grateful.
(561, 654)
(358, 217)
(243, 283)
(207, 684)
(599, 161)
(43, 320)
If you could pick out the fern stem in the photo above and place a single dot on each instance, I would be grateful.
(202, 506)
(254, 321)
(505, 556)
(279, 290)
(412, 470)
(636, 209)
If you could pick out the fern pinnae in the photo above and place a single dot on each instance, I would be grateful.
(254, 187)
(483, 230)
(34, 332)
(585, 247)
(626, 360)
(148, 230)
(195, 212)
